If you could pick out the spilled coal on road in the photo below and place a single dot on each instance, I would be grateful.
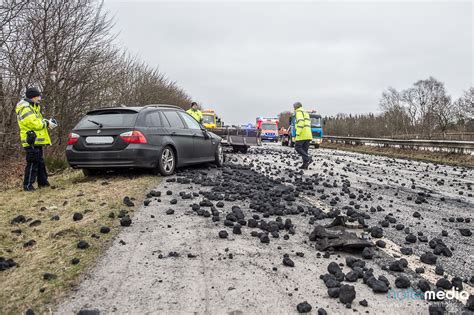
(354, 234)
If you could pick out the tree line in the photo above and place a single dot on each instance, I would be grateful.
(424, 110)
(67, 49)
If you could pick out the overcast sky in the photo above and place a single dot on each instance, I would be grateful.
(248, 59)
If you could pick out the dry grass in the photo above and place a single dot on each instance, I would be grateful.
(23, 287)
(420, 155)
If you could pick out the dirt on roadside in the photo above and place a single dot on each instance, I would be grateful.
(40, 231)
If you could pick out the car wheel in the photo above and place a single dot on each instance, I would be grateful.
(219, 155)
(316, 146)
(167, 161)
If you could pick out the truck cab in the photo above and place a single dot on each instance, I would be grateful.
(210, 120)
(269, 128)
(316, 128)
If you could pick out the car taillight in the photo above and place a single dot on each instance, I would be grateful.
(72, 138)
(134, 136)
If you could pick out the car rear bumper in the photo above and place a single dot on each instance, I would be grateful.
(317, 141)
(134, 156)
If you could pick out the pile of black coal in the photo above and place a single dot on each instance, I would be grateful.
(6, 263)
(304, 307)
(82, 244)
(128, 202)
(125, 221)
(18, 219)
(339, 239)
(439, 247)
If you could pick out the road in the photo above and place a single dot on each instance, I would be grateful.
(177, 263)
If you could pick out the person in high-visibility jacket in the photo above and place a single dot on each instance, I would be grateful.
(303, 134)
(34, 136)
(195, 112)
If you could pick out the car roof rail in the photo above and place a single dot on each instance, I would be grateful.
(163, 105)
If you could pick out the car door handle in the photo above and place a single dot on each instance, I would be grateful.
(173, 133)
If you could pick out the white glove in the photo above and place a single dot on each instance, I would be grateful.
(52, 123)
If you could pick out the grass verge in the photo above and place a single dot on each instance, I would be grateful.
(55, 245)
(420, 155)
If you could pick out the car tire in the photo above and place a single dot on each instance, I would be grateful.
(316, 146)
(219, 156)
(88, 172)
(167, 161)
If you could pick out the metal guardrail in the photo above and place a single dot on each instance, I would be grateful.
(458, 136)
(463, 147)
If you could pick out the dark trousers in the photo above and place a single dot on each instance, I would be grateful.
(302, 148)
(35, 168)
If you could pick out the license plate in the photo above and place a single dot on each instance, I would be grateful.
(99, 140)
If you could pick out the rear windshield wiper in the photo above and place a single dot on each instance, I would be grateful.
(95, 122)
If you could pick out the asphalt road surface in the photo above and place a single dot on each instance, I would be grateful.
(175, 262)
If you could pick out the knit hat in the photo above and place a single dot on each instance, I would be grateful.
(32, 92)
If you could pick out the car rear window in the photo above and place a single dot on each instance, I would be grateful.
(108, 119)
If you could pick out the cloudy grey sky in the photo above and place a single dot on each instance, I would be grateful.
(247, 59)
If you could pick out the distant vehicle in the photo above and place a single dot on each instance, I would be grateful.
(248, 126)
(238, 137)
(156, 137)
(268, 128)
(316, 128)
(288, 139)
(210, 120)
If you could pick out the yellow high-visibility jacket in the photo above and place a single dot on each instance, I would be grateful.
(29, 118)
(303, 125)
(197, 114)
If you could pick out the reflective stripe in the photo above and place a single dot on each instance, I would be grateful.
(22, 109)
(25, 115)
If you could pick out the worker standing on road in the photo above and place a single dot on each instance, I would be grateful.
(34, 135)
(195, 112)
(303, 134)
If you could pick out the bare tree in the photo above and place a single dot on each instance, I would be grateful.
(464, 108)
(423, 101)
(284, 119)
(396, 115)
(66, 48)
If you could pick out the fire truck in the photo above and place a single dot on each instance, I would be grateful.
(268, 128)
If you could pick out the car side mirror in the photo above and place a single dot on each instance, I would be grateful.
(205, 133)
